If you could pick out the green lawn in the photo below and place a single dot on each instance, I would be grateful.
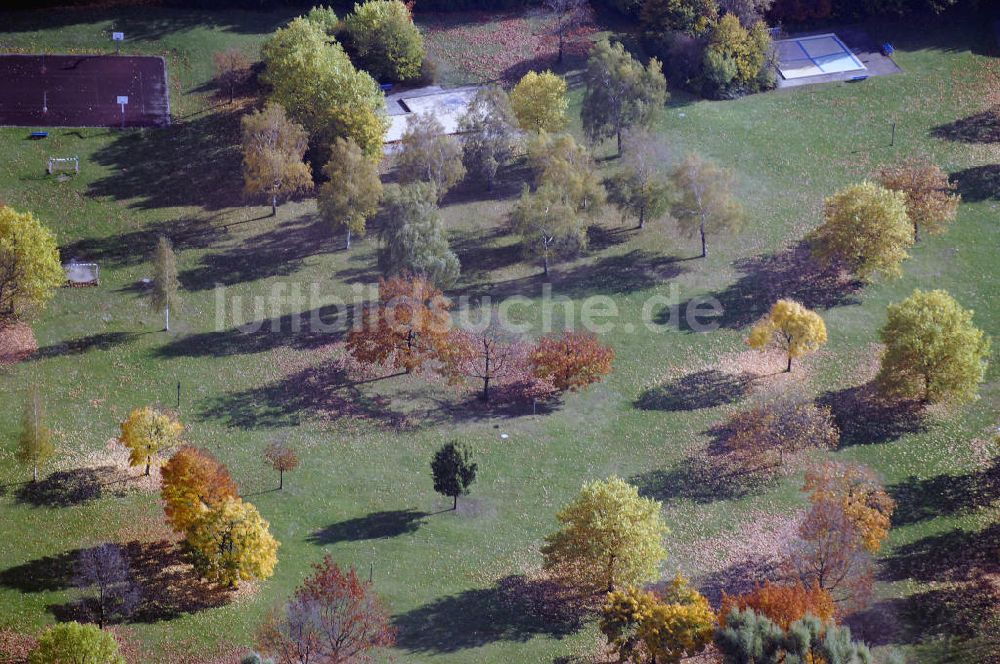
(363, 493)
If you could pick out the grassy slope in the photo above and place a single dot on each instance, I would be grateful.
(789, 149)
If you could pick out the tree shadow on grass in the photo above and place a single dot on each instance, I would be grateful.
(920, 499)
(979, 183)
(280, 251)
(790, 273)
(306, 330)
(376, 525)
(137, 246)
(67, 488)
(509, 182)
(956, 555)
(700, 479)
(968, 612)
(865, 417)
(81, 345)
(702, 389)
(45, 574)
(979, 128)
(635, 271)
(321, 392)
(515, 609)
(737, 579)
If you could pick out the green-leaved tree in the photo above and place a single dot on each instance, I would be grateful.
(34, 446)
(352, 192)
(165, 294)
(453, 471)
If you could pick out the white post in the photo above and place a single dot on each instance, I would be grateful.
(168, 317)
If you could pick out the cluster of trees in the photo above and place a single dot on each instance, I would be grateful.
(30, 270)
(793, 11)
(410, 329)
(227, 538)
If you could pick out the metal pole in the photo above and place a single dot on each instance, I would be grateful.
(123, 116)
(893, 141)
(178, 395)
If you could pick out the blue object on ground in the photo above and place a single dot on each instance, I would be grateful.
(861, 77)
(888, 49)
(39, 134)
(385, 86)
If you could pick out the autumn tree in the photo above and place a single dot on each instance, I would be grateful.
(453, 471)
(663, 627)
(333, 618)
(232, 542)
(784, 603)
(539, 102)
(761, 437)
(705, 200)
(489, 134)
(610, 537)
(147, 432)
(193, 481)
(642, 189)
(932, 349)
(406, 328)
(549, 225)
(353, 189)
(29, 265)
(282, 457)
(558, 161)
(792, 328)
(232, 69)
(565, 16)
(488, 353)
(413, 238)
(389, 45)
(620, 93)
(857, 490)
(865, 227)
(313, 79)
(427, 154)
(73, 643)
(104, 571)
(738, 57)
(931, 204)
(165, 292)
(572, 360)
(273, 147)
(34, 445)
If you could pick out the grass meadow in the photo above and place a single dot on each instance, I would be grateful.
(461, 586)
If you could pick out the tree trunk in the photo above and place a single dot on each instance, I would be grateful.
(148, 461)
(788, 369)
(545, 265)
(704, 246)
(619, 142)
(34, 472)
(642, 218)
(348, 238)
(274, 206)
(916, 233)
(454, 505)
(166, 315)
(485, 396)
(561, 39)
(281, 479)
(231, 86)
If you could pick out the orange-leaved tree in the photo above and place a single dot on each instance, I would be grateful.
(571, 361)
(193, 481)
(407, 326)
(857, 489)
(782, 603)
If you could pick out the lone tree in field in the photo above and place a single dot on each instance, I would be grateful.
(489, 134)
(930, 202)
(73, 643)
(621, 93)
(793, 328)
(192, 480)
(29, 265)
(489, 353)
(148, 432)
(565, 16)
(539, 102)
(413, 239)
(642, 189)
(34, 445)
(866, 228)
(232, 542)
(453, 471)
(282, 457)
(105, 570)
(610, 537)
(759, 438)
(352, 192)
(232, 69)
(571, 361)
(164, 295)
(273, 148)
(383, 35)
(933, 349)
(705, 199)
(333, 617)
(429, 155)
(406, 328)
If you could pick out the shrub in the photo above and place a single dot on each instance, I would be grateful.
(72, 643)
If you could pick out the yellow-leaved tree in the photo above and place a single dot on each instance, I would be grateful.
(232, 542)
(932, 349)
(29, 265)
(147, 432)
(610, 536)
(665, 627)
(865, 227)
(793, 328)
(273, 148)
(352, 192)
(539, 102)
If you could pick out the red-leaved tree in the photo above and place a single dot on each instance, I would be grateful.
(571, 361)
(405, 329)
(333, 618)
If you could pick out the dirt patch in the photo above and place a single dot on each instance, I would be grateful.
(17, 343)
